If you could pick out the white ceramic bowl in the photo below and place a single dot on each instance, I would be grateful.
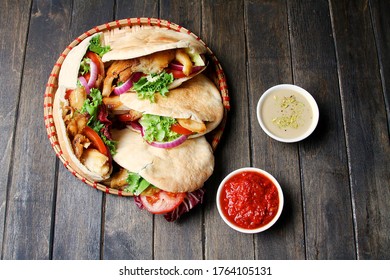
(237, 227)
(270, 129)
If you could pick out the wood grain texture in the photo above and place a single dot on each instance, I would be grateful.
(225, 36)
(381, 25)
(323, 156)
(270, 64)
(128, 231)
(77, 230)
(366, 127)
(135, 9)
(31, 190)
(14, 21)
(336, 182)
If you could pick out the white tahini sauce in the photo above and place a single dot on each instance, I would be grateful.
(287, 114)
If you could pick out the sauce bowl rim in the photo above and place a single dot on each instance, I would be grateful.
(312, 102)
(280, 195)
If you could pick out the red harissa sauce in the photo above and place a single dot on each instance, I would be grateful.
(249, 200)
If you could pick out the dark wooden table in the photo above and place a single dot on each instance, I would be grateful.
(336, 182)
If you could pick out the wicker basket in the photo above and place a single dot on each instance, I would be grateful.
(52, 84)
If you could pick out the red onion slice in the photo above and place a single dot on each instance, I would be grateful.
(169, 145)
(93, 74)
(179, 67)
(84, 83)
(136, 76)
(176, 66)
(196, 69)
(163, 145)
(124, 87)
(136, 126)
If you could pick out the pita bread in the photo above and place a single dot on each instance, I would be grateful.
(197, 99)
(184, 168)
(137, 41)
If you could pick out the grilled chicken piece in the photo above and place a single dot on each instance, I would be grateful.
(113, 72)
(184, 59)
(112, 102)
(118, 180)
(79, 143)
(77, 98)
(123, 69)
(76, 124)
(192, 125)
(96, 162)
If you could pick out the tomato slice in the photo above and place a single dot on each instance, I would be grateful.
(162, 202)
(97, 142)
(177, 74)
(180, 130)
(87, 76)
(126, 117)
(67, 93)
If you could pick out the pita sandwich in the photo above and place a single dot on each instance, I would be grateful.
(196, 105)
(150, 50)
(182, 169)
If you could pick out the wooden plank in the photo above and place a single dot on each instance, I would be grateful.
(31, 189)
(181, 239)
(136, 9)
(82, 239)
(14, 22)
(366, 127)
(224, 25)
(269, 63)
(128, 231)
(381, 24)
(323, 159)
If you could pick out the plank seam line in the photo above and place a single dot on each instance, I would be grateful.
(380, 65)
(288, 21)
(348, 156)
(250, 104)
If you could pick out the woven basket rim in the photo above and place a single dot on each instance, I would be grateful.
(52, 85)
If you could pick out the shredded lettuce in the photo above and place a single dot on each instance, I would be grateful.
(91, 106)
(147, 86)
(111, 145)
(136, 184)
(85, 66)
(96, 46)
(158, 128)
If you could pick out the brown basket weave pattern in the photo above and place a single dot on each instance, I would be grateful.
(52, 84)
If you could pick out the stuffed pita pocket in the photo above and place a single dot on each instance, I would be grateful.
(191, 110)
(80, 116)
(147, 59)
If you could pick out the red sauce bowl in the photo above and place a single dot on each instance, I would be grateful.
(250, 200)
